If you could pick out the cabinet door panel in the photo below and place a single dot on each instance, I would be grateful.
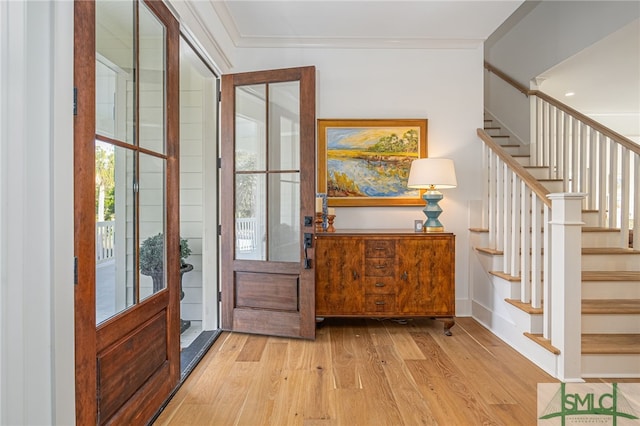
(425, 276)
(339, 275)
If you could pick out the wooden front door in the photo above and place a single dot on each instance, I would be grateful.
(268, 202)
(126, 210)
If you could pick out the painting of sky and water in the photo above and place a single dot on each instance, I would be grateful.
(371, 162)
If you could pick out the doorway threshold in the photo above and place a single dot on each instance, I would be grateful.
(192, 354)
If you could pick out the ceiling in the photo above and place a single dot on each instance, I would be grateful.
(603, 77)
(362, 23)
(603, 81)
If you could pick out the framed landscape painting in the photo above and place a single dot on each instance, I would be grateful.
(367, 162)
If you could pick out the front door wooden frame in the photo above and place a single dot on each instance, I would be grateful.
(247, 275)
(158, 314)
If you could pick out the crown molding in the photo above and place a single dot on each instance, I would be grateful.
(241, 41)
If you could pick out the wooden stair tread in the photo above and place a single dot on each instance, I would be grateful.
(611, 306)
(488, 250)
(545, 343)
(609, 250)
(521, 155)
(504, 276)
(610, 275)
(526, 307)
(599, 229)
(611, 343)
(479, 230)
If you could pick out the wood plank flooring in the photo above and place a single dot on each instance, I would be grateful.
(361, 372)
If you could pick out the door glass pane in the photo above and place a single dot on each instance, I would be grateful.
(152, 202)
(251, 217)
(115, 53)
(152, 75)
(284, 217)
(284, 126)
(114, 230)
(251, 113)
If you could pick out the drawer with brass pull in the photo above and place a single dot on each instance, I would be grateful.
(375, 267)
(378, 303)
(380, 285)
(379, 248)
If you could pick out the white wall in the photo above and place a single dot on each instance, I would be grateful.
(36, 213)
(443, 85)
(553, 31)
(537, 37)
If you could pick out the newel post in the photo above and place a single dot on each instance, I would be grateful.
(566, 281)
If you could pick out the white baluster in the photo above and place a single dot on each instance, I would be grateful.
(525, 246)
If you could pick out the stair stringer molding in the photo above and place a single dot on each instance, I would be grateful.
(488, 307)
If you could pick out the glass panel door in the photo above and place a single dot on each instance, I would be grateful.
(267, 227)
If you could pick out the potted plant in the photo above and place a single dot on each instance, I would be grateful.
(152, 264)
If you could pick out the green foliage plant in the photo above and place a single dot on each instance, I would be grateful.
(152, 254)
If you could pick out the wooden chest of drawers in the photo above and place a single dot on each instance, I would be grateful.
(385, 274)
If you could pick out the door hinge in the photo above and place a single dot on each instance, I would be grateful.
(75, 270)
(219, 96)
(219, 162)
(219, 229)
(219, 296)
(75, 101)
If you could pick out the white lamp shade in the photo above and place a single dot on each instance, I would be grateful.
(436, 173)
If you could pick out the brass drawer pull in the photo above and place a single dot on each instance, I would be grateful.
(380, 248)
(384, 265)
(379, 302)
(379, 284)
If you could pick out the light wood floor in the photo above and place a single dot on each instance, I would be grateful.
(361, 372)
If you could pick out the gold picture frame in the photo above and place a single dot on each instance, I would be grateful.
(366, 162)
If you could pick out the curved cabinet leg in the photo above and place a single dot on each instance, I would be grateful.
(448, 323)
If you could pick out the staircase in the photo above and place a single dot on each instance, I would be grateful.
(610, 315)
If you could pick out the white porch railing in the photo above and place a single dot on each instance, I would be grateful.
(105, 233)
(246, 234)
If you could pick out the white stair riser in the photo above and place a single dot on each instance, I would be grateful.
(503, 140)
(553, 186)
(610, 289)
(539, 172)
(601, 239)
(590, 218)
(490, 262)
(512, 150)
(611, 262)
(614, 366)
(609, 323)
(479, 239)
(492, 132)
(510, 289)
(523, 160)
(524, 321)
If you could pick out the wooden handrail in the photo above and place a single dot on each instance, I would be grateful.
(519, 87)
(518, 169)
(617, 137)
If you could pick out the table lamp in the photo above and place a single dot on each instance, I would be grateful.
(432, 174)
